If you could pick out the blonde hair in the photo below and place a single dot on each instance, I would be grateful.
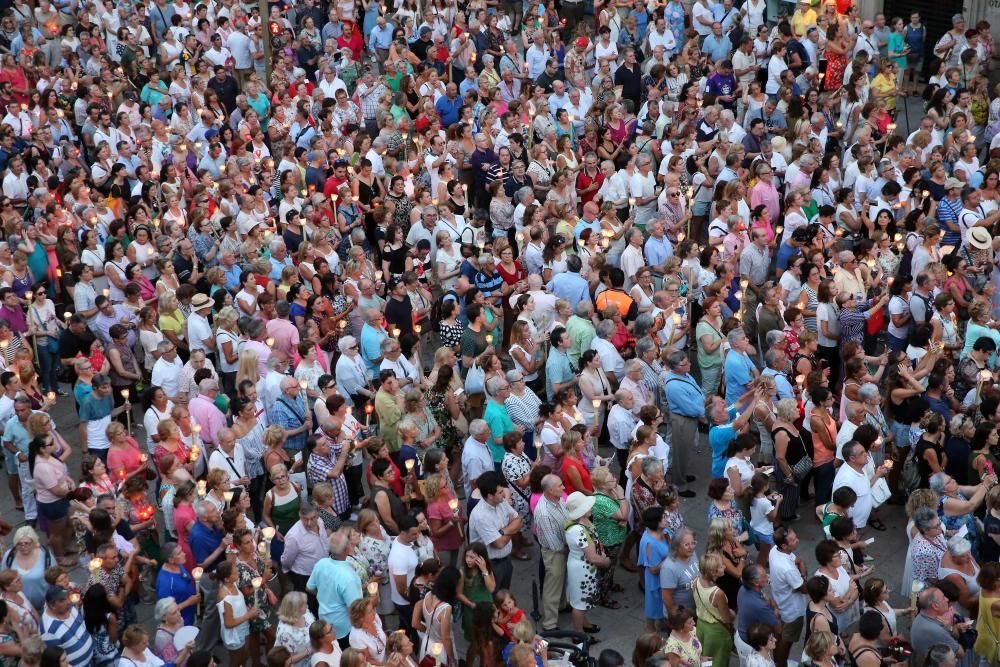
(274, 435)
(366, 517)
(433, 483)
(248, 369)
(322, 492)
(114, 430)
(292, 607)
(600, 476)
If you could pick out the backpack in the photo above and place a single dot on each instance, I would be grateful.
(910, 478)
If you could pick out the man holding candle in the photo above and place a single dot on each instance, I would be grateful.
(494, 522)
(336, 585)
(96, 413)
(205, 413)
(229, 457)
(291, 413)
(208, 544)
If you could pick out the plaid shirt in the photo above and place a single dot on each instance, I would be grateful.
(550, 524)
(369, 97)
(319, 467)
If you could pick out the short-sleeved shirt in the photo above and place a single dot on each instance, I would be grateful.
(499, 421)
(96, 413)
(486, 523)
(337, 585)
(785, 579)
(402, 561)
(679, 577)
(753, 608)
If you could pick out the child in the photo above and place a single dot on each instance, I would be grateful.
(841, 504)
(507, 614)
(57, 576)
(763, 513)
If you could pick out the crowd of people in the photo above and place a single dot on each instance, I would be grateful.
(359, 308)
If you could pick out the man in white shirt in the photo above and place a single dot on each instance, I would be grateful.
(855, 413)
(242, 48)
(537, 55)
(15, 183)
(19, 121)
(788, 588)
(199, 331)
(167, 370)
(218, 54)
(611, 361)
(702, 18)
(494, 522)
(661, 36)
(972, 214)
(331, 83)
(402, 564)
(853, 474)
(642, 188)
(230, 458)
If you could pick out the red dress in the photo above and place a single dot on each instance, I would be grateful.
(569, 462)
(836, 64)
(520, 273)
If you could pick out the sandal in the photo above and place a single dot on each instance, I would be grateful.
(876, 524)
(611, 604)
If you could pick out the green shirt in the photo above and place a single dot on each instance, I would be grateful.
(581, 332)
(610, 531)
(500, 424)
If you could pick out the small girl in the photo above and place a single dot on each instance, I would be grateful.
(671, 504)
(763, 514)
(507, 613)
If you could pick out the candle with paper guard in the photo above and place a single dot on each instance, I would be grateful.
(256, 582)
(95, 565)
(74, 598)
(268, 532)
(269, 341)
(489, 339)
(372, 588)
(227, 496)
(409, 465)
(453, 505)
(303, 384)
(596, 403)
(196, 573)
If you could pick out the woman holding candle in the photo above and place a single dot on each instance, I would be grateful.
(18, 604)
(249, 432)
(184, 518)
(253, 574)
(45, 327)
(171, 442)
(217, 485)
(174, 582)
(443, 516)
(234, 613)
(52, 484)
(294, 620)
(373, 546)
(125, 461)
(281, 511)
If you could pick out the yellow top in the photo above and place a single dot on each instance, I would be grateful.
(802, 20)
(988, 625)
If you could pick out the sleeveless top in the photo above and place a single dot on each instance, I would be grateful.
(528, 377)
(128, 363)
(116, 294)
(832, 619)
(284, 509)
(861, 651)
(796, 447)
(703, 603)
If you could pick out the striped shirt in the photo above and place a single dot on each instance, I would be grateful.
(550, 524)
(69, 634)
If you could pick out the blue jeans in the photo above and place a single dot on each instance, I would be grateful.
(49, 363)
(896, 344)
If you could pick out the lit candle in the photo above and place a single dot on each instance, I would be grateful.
(196, 428)
(227, 496)
(267, 532)
(197, 572)
(417, 329)
(596, 403)
(409, 465)
(372, 587)
(95, 565)
(143, 458)
(262, 549)
(453, 504)
(125, 393)
(74, 598)
(343, 324)
(489, 339)
(269, 341)
(106, 292)
(202, 487)
(66, 316)
(256, 582)
(52, 396)
(800, 379)
(395, 332)
(378, 275)
(303, 384)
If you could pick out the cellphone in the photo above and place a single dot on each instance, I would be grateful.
(459, 391)
(870, 540)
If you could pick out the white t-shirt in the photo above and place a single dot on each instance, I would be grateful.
(759, 509)
(402, 561)
(199, 330)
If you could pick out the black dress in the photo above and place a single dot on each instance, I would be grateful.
(794, 453)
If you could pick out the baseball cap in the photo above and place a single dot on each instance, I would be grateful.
(425, 30)
(56, 593)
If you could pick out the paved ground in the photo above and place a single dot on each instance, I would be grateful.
(621, 627)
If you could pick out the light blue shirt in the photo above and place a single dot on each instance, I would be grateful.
(337, 585)
(277, 266)
(684, 396)
(739, 372)
(381, 38)
(717, 48)
(594, 226)
(371, 342)
(657, 250)
(570, 286)
(558, 370)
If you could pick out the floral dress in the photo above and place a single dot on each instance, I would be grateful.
(688, 652)
(438, 405)
(258, 598)
(733, 515)
(515, 467)
(295, 638)
(581, 576)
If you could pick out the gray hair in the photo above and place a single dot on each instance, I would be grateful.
(937, 482)
(207, 385)
(307, 509)
(523, 194)
(735, 335)
(643, 346)
(201, 507)
(548, 481)
(845, 256)
(939, 655)
(787, 409)
(753, 574)
(584, 309)
(276, 243)
(771, 357)
(163, 606)
(478, 427)
(605, 329)
(868, 391)
(621, 394)
(339, 543)
(346, 343)
(274, 361)
(651, 465)
(493, 385)
(678, 357)
(642, 325)
(774, 337)
(513, 375)
(959, 547)
(631, 365)
(678, 536)
(852, 409)
(163, 346)
(923, 517)
(388, 345)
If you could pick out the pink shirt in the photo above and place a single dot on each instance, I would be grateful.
(123, 459)
(285, 335)
(48, 474)
(263, 353)
(764, 193)
(211, 419)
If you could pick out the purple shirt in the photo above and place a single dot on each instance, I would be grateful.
(16, 319)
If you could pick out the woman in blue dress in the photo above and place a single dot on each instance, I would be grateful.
(652, 550)
(173, 580)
